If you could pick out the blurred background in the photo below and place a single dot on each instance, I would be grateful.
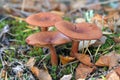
(24, 8)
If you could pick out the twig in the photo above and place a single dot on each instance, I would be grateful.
(70, 63)
(43, 58)
(97, 51)
(23, 5)
(105, 2)
(90, 55)
(4, 18)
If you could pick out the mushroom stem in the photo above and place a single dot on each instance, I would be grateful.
(44, 28)
(54, 60)
(74, 48)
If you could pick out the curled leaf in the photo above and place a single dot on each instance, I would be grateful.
(66, 59)
(85, 59)
(30, 62)
(41, 74)
(82, 71)
(117, 70)
(116, 39)
(58, 13)
(112, 76)
(110, 60)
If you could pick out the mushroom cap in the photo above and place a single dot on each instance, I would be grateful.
(43, 19)
(47, 38)
(80, 31)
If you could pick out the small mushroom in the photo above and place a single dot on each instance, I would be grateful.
(80, 31)
(43, 20)
(48, 39)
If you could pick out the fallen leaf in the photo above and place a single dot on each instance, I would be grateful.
(66, 59)
(6, 77)
(3, 73)
(82, 71)
(116, 39)
(85, 59)
(99, 21)
(66, 77)
(44, 75)
(77, 4)
(112, 76)
(60, 7)
(35, 71)
(31, 62)
(41, 74)
(58, 13)
(117, 70)
(110, 60)
(95, 7)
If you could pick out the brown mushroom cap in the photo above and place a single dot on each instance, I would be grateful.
(43, 19)
(46, 38)
(80, 31)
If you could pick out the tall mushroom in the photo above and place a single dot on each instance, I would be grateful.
(80, 31)
(43, 20)
(48, 39)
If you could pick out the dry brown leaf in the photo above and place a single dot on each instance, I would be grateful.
(110, 60)
(58, 13)
(41, 74)
(3, 73)
(6, 77)
(103, 61)
(85, 59)
(95, 7)
(112, 76)
(82, 71)
(117, 70)
(60, 7)
(35, 71)
(100, 21)
(116, 39)
(66, 59)
(44, 75)
(30, 62)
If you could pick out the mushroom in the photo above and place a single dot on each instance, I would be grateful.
(43, 20)
(80, 31)
(48, 39)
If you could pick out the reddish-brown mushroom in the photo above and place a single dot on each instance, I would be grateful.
(43, 20)
(80, 31)
(48, 39)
